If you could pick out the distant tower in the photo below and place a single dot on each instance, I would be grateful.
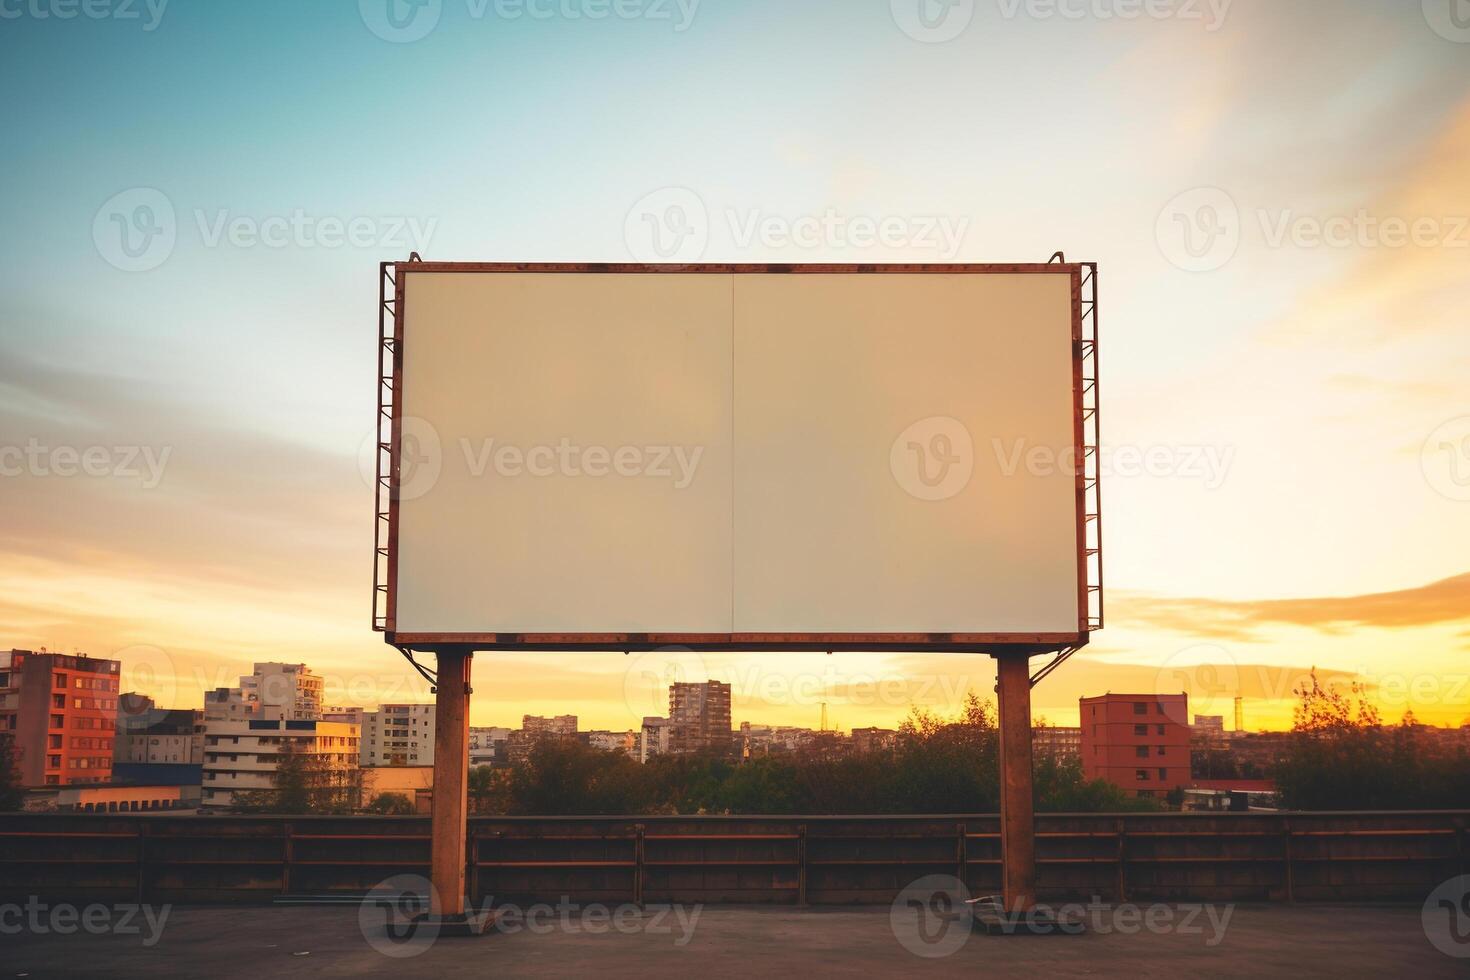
(824, 716)
(1239, 714)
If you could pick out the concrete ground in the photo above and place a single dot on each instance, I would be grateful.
(721, 941)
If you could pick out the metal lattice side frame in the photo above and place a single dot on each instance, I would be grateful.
(1091, 450)
(1091, 469)
(383, 456)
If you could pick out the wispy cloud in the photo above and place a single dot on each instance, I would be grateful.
(1444, 601)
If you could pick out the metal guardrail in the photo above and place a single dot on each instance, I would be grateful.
(1346, 856)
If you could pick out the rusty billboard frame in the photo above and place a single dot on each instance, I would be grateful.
(1086, 434)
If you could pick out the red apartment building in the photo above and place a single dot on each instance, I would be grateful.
(61, 710)
(1137, 741)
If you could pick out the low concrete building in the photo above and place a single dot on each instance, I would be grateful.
(244, 755)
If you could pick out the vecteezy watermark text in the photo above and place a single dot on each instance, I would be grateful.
(405, 21)
(61, 919)
(149, 12)
(136, 230)
(565, 458)
(934, 917)
(673, 224)
(1202, 229)
(143, 463)
(393, 917)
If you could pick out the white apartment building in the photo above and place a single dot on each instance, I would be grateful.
(274, 690)
(243, 755)
(653, 738)
(398, 735)
(485, 744)
(289, 691)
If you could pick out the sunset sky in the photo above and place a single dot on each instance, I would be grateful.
(1277, 195)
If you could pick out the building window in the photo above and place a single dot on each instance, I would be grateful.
(1141, 751)
(1142, 775)
(1140, 707)
(60, 680)
(1163, 774)
(1161, 729)
(1140, 729)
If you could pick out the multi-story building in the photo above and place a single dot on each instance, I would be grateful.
(699, 716)
(626, 742)
(1137, 741)
(487, 746)
(229, 704)
(61, 710)
(398, 735)
(352, 715)
(147, 733)
(289, 691)
(1060, 743)
(653, 738)
(244, 755)
(535, 725)
(534, 728)
(873, 739)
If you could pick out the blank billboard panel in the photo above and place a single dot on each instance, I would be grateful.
(730, 456)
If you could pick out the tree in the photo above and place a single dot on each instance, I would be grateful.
(12, 792)
(1341, 757)
(487, 790)
(305, 782)
(391, 804)
(563, 776)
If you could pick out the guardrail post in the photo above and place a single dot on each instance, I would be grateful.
(801, 865)
(638, 868)
(959, 847)
(287, 854)
(1122, 883)
(142, 856)
(472, 856)
(1286, 855)
(1459, 823)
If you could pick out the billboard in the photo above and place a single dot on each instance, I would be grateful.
(737, 457)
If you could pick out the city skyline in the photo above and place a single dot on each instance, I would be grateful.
(853, 700)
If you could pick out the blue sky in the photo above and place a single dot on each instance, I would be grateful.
(1319, 372)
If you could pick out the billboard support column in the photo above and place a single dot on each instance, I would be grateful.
(448, 827)
(1017, 806)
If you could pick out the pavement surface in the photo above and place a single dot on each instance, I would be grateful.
(723, 941)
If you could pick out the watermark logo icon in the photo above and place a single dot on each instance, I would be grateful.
(149, 670)
(932, 21)
(932, 917)
(393, 916)
(135, 230)
(420, 458)
(1450, 19)
(1199, 230)
(934, 458)
(400, 21)
(668, 225)
(1206, 672)
(1445, 459)
(1446, 917)
(649, 676)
